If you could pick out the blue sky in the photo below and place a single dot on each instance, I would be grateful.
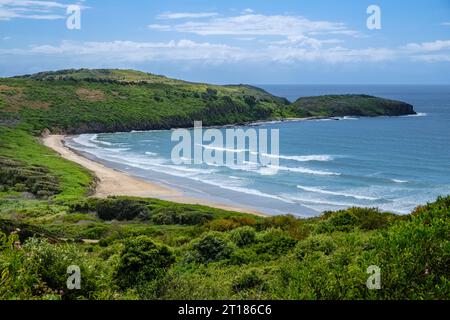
(260, 42)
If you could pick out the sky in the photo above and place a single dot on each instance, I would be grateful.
(257, 42)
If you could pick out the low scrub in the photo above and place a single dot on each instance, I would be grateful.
(21, 177)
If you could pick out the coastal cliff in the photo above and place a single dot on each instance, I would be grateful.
(109, 100)
(350, 105)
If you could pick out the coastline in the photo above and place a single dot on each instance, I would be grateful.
(112, 182)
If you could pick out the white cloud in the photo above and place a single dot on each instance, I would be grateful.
(446, 24)
(296, 49)
(432, 58)
(437, 45)
(247, 11)
(434, 51)
(6, 38)
(32, 9)
(186, 15)
(258, 25)
(129, 51)
(330, 55)
(304, 41)
(187, 50)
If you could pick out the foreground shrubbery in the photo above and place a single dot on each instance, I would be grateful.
(129, 209)
(142, 261)
(274, 258)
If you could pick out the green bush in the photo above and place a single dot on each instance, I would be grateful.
(122, 209)
(88, 205)
(348, 219)
(242, 256)
(40, 269)
(248, 280)
(142, 260)
(230, 223)
(20, 187)
(274, 242)
(321, 243)
(294, 226)
(414, 255)
(180, 216)
(212, 246)
(243, 236)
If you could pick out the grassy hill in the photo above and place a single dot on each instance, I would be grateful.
(80, 101)
(349, 105)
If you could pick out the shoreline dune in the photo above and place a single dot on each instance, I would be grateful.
(111, 182)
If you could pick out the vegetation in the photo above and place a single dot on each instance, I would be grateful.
(81, 101)
(132, 248)
(267, 259)
(349, 105)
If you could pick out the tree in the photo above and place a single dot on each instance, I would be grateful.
(142, 260)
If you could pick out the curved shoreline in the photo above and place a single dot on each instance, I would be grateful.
(111, 182)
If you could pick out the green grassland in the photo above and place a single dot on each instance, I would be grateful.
(132, 248)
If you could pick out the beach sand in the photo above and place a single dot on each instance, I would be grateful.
(111, 182)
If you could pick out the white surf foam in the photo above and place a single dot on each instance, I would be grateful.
(97, 141)
(324, 203)
(85, 140)
(237, 188)
(117, 150)
(314, 157)
(419, 114)
(399, 181)
(305, 171)
(208, 147)
(334, 193)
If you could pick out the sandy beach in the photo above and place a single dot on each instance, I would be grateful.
(111, 182)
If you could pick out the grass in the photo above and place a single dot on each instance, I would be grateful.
(19, 145)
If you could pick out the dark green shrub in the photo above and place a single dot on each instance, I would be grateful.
(20, 187)
(248, 280)
(313, 244)
(122, 209)
(243, 236)
(84, 205)
(173, 216)
(414, 255)
(274, 242)
(213, 246)
(294, 226)
(242, 256)
(362, 218)
(250, 100)
(142, 260)
(47, 264)
(231, 223)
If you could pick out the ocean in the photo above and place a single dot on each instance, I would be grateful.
(393, 163)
